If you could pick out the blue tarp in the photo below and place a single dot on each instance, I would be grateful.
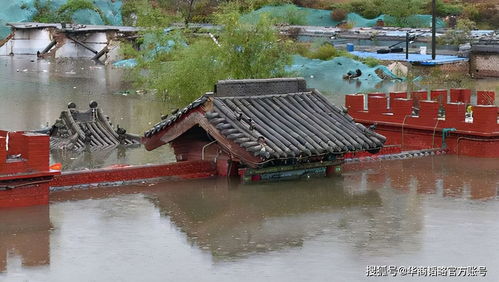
(127, 63)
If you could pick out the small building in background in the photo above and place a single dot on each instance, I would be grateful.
(484, 58)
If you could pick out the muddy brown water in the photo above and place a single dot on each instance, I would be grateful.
(433, 211)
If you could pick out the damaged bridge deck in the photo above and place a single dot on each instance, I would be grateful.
(97, 42)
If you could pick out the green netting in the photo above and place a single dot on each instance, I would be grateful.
(327, 76)
(110, 9)
(297, 15)
(284, 13)
(359, 21)
(154, 45)
(24, 10)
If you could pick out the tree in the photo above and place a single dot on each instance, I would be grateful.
(244, 51)
(400, 10)
(47, 13)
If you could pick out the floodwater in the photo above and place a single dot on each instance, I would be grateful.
(34, 92)
(433, 211)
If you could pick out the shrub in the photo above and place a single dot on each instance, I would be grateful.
(46, 12)
(346, 25)
(292, 15)
(339, 14)
(488, 15)
(445, 8)
(366, 8)
(245, 51)
(295, 16)
(459, 35)
(315, 4)
(372, 62)
(324, 52)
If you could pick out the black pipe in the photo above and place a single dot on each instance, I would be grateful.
(51, 44)
(100, 54)
(407, 45)
(83, 45)
(433, 29)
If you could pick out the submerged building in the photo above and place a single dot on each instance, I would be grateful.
(79, 130)
(255, 124)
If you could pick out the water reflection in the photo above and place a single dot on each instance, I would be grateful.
(232, 221)
(24, 235)
(428, 211)
(449, 176)
(377, 207)
(35, 92)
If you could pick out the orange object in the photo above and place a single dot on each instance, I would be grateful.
(56, 166)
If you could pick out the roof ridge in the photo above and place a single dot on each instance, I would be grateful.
(265, 96)
(176, 114)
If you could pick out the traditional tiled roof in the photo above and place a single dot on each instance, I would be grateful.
(174, 116)
(293, 124)
(279, 118)
(76, 130)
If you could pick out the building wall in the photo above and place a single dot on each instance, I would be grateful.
(71, 49)
(26, 42)
(484, 65)
(460, 67)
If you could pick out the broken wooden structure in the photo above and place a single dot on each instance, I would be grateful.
(278, 124)
(79, 130)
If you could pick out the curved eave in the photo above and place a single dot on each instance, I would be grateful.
(197, 118)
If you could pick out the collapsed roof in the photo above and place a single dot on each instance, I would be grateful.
(78, 130)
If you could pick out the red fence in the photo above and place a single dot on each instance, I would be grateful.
(183, 170)
(397, 108)
(416, 120)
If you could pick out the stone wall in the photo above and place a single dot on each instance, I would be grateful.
(484, 65)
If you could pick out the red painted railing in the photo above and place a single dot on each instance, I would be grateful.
(415, 121)
(396, 108)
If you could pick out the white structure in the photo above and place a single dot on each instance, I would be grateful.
(65, 41)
